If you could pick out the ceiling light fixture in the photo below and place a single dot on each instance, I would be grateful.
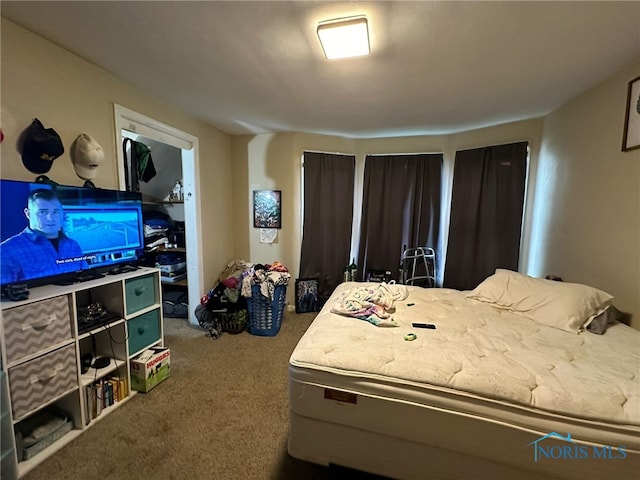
(344, 37)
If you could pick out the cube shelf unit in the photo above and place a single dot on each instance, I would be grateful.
(42, 353)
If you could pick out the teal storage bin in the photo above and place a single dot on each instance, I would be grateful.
(140, 293)
(144, 331)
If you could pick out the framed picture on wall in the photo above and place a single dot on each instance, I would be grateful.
(307, 296)
(267, 209)
(631, 138)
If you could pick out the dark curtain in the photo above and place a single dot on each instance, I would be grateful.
(486, 213)
(328, 216)
(400, 208)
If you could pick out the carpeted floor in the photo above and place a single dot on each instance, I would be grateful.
(223, 414)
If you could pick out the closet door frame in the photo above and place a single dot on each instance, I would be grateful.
(127, 120)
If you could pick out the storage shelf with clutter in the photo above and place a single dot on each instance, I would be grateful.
(177, 194)
(246, 297)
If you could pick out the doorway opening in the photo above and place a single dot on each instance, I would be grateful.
(130, 124)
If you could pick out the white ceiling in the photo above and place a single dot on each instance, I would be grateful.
(435, 67)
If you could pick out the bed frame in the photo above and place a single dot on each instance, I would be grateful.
(408, 440)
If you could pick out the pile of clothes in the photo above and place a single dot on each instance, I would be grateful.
(175, 303)
(373, 303)
(156, 227)
(230, 292)
(172, 266)
(161, 231)
(268, 277)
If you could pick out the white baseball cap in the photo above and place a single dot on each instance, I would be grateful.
(86, 155)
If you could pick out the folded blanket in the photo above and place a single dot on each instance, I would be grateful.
(371, 303)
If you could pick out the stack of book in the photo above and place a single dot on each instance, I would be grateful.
(104, 393)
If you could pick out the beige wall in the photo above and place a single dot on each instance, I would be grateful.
(65, 92)
(587, 204)
(583, 200)
(273, 161)
(582, 217)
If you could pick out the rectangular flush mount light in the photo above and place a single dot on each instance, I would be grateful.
(343, 38)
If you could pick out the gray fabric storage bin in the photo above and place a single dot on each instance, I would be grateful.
(36, 326)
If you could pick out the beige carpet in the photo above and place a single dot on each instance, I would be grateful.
(223, 414)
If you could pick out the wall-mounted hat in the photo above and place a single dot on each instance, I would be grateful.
(41, 146)
(86, 156)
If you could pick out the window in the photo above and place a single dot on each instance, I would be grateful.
(486, 213)
(327, 218)
(400, 208)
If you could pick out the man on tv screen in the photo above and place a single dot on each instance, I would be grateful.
(42, 249)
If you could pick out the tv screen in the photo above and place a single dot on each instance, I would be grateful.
(52, 233)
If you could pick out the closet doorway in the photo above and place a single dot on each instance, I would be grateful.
(130, 124)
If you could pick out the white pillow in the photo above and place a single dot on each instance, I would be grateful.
(567, 306)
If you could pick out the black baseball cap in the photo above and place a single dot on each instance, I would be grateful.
(40, 148)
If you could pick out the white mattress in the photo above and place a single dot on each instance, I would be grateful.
(482, 362)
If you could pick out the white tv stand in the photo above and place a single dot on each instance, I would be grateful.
(42, 352)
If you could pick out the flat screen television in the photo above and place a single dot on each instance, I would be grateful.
(85, 234)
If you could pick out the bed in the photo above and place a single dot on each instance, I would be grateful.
(510, 384)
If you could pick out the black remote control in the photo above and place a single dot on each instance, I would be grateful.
(424, 325)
